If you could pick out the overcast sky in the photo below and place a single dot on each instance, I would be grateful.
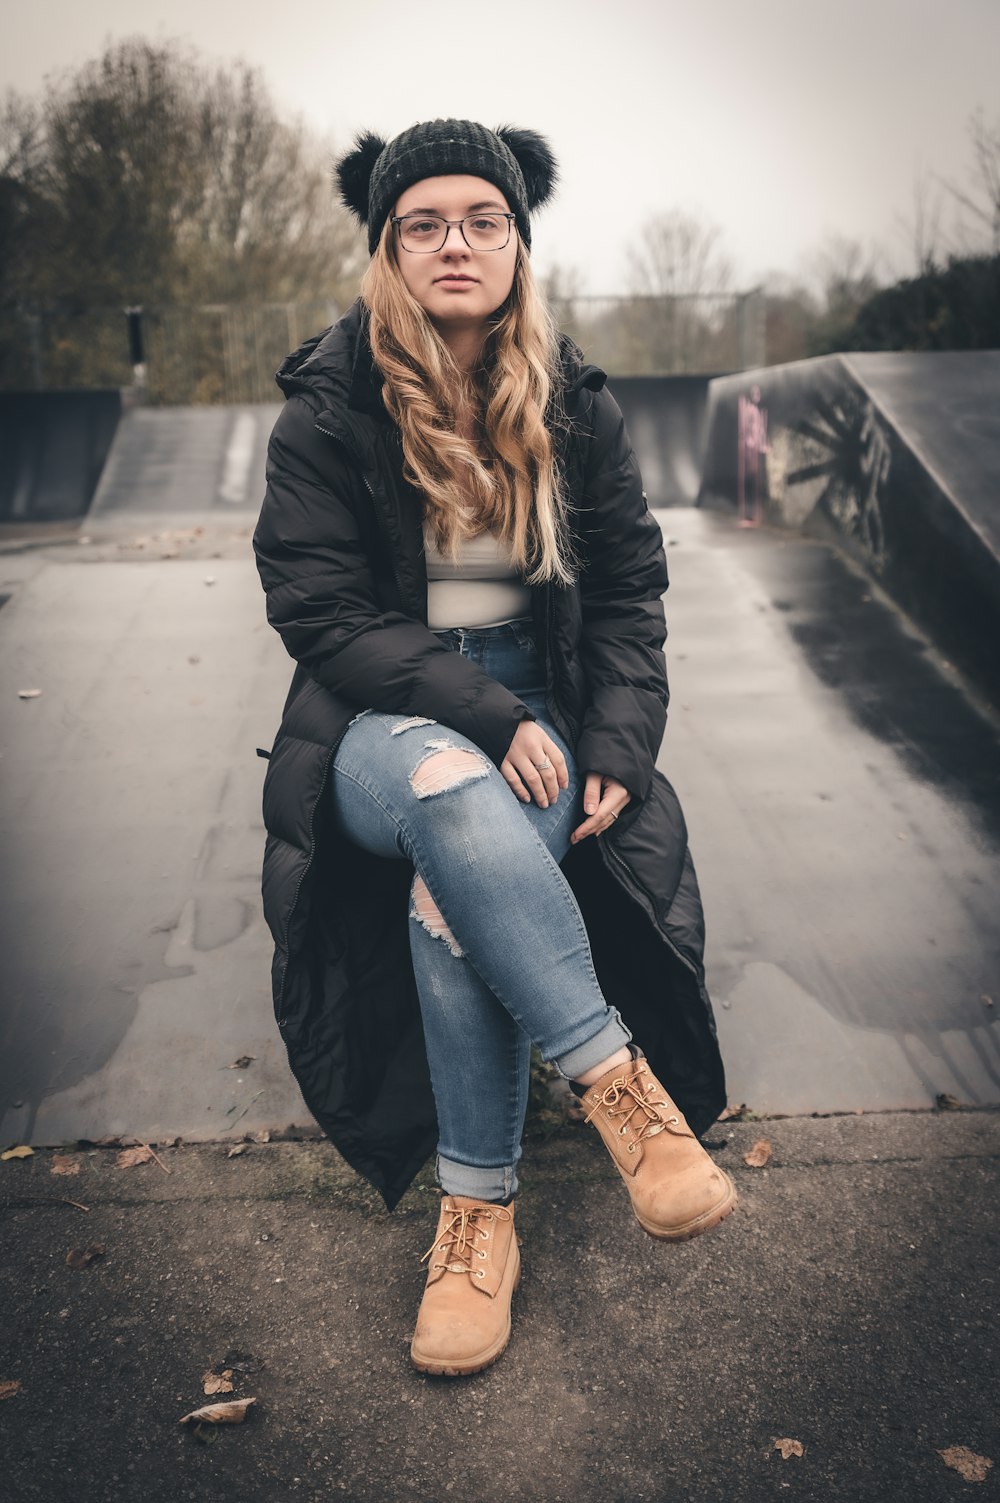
(782, 121)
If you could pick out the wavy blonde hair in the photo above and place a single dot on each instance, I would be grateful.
(507, 476)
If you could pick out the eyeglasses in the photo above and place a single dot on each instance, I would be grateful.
(425, 233)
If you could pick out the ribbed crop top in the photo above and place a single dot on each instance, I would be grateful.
(482, 589)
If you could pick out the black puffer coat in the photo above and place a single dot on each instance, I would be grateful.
(339, 549)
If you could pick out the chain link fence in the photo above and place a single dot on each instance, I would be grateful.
(228, 353)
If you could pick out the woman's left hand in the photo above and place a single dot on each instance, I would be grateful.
(603, 799)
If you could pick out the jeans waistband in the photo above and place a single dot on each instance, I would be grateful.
(520, 626)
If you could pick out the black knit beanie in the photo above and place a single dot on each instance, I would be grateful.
(374, 173)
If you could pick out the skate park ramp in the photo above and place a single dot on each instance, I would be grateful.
(839, 779)
(53, 447)
(175, 460)
(665, 417)
(897, 456)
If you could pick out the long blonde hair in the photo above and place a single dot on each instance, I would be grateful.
(507, 476)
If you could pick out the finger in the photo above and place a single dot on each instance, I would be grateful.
(531, 776)
(592, 793)
(509, 772)
(562, 771)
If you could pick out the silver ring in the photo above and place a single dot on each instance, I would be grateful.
(613, 814)
(542, 765)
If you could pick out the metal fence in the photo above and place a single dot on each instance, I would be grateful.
(228, 353)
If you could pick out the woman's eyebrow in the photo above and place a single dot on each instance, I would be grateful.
(487, 203)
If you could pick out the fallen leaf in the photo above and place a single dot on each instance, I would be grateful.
(242, 1063)
(236, 1149)
(22, 1151)
(129, 1157)
(218, 1382)
(970, 1467)
(80, 1257)
(64, 1163)
(9, 1388)
(788, 1447)
(28, 693)
(731, 1113)
(263, 1136)
(759, 1154)
(946, 1103)
(233, 1413)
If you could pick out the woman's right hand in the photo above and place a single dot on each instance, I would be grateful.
(531, 745)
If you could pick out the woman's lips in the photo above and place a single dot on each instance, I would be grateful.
(455, 282)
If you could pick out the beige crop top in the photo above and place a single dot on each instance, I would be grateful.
(482, 589)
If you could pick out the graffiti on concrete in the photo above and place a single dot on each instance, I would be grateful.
(752, 446)
(844, 447)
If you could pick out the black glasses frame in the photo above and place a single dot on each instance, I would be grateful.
(397, 220)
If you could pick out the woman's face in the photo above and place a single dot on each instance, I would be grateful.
(456, 285)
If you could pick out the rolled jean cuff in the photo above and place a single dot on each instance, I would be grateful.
(612, 1037)
(477, 1183)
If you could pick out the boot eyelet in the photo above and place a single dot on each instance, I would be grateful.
(631, 1147)
(480, 1255)
(480, 1273)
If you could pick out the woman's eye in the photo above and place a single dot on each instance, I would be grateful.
(423, 226)
(485, 222)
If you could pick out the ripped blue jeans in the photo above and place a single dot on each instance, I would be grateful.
(500, 952)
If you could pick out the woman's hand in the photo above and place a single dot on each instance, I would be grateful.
(531, 745)
(603, 799)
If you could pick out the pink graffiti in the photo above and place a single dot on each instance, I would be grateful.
(752, 445)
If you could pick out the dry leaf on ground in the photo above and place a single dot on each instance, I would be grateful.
(217, 1382)
(732, 1113)
(788, 1447)
(22, 1151)
(242, 1063)
(946, 1103)
(28, 693)
(132, 1156)
(80, 1257)
(233, 1413)
(64, 1163)
(236, 1150)
(9, 1387)
(759, 1154)
(970, 1467)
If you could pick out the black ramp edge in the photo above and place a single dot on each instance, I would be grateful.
(53, 446)
(897, 457)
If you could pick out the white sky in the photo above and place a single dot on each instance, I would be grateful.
(782, 121)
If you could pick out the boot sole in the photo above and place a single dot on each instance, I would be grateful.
(435, 1367)
(698, 1224)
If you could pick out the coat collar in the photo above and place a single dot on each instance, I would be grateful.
(337, 366)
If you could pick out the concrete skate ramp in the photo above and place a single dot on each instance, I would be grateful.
(665, 418)
(841, 794)
(898, 457)
(53, 445)
(177, 460)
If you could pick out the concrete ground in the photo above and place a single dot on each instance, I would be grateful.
(848, 1304)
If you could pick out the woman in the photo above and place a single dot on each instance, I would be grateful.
(469, 848)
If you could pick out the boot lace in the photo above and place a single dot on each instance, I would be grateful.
(457, 1241)
(632, 1098)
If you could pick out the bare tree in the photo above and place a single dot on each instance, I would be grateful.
(982, 199)
(678, 254)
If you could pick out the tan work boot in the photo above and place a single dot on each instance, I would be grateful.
(677, 1189)
(464, 1320)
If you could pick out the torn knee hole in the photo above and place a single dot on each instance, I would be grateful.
(446, 767)
(426, 912)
